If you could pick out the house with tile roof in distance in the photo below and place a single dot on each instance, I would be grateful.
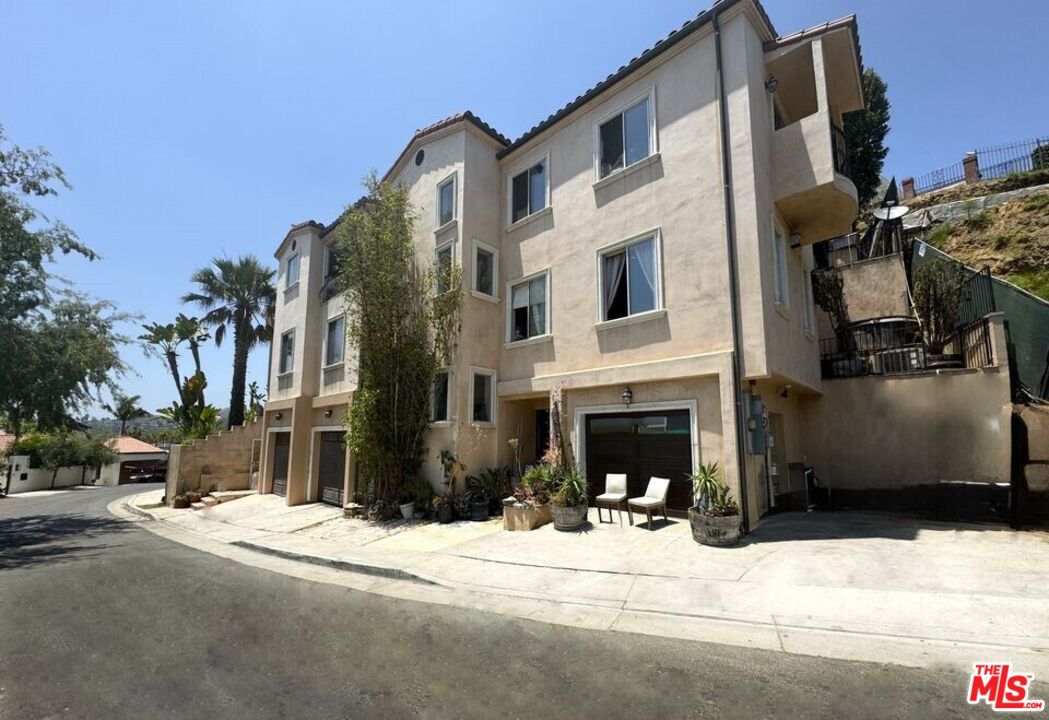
(644, 254)
(136, 461)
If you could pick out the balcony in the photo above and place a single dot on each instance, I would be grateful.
(812, 89)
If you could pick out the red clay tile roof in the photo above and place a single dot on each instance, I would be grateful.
(651, 53)
(125, 445)
(6, 440)
(466, 116)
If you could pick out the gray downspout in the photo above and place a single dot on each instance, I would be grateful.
(733, 278)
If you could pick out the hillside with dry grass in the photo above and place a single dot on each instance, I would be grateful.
(1011, 238)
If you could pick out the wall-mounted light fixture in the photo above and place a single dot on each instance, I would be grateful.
(628, 396)
(327, 413)
(771, 83)
(278, 416)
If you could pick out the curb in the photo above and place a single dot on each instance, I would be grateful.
(137, 511)
(335, 563)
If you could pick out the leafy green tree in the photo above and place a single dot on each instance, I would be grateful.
(937, 296)
(865, 132)
(66, 357)
(403, 331)
(239, 295)
(195, 421)
(163, 340)
(125, 408)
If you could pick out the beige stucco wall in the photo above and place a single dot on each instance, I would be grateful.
(882, 432)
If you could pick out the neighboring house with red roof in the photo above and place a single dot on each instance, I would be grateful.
(135, 460)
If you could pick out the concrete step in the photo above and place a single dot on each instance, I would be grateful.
(198, 505)
(210, 501)
(227, 495)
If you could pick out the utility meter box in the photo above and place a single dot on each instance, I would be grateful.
(756, 421)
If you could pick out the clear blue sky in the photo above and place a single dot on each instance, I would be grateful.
(193, 129)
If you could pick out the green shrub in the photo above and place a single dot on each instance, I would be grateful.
(1000, 242)
(1037, 203)
(1035, 282)
(939, 235)
(979, 221)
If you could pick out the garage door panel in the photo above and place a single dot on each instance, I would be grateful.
(642, 445)
(331, 468)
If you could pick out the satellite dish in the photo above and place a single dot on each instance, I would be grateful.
(891, 213)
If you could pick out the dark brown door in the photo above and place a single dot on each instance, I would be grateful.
(331, 468)
(281, 455)
(642, 445)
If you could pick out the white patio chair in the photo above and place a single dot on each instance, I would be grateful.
(613, 497)
(655, 498)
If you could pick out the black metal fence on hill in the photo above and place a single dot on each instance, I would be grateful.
(988, 163)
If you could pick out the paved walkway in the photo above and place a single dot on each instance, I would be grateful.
(841, 585)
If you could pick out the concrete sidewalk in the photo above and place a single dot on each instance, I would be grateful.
(840, 585)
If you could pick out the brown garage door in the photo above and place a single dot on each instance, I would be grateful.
(281, 455)
(331, 470)
(642, 445)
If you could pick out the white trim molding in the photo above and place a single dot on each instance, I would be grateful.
(478, 245)
(453, 178)
(657, 236)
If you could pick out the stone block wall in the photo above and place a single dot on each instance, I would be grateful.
(220, 462)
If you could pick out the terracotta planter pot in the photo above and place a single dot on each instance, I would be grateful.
(193, 497)
(180, 503)
(569, 518)
(713, 530)
(525, 517)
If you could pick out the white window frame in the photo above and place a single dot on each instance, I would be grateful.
(478, 245)
(657, 235)
(281, 370)
(510, 285)
(620, 109)
(475, 371)
(453, 179)
(780, 263)
(325, 365)
(518, 169)
(288, 282)
(450, 247)
(448, 403)
(808, 311)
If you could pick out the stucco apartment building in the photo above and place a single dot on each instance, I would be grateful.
(644, 252)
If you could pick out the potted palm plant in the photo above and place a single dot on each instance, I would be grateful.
(569, 500)
(715, 516)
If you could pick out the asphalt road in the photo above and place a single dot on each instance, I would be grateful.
(102, 619)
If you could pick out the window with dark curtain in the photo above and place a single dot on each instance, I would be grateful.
(336, 339)
(446, 194)
(482, 400)
(615, 290)
(611, 137)
(536, 188)
(635, 131)
(444, 269)
(519, 318)
(485, 272)
(439, 406)
(520, 197)
(287, 351)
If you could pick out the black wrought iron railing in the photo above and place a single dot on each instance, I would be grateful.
(893, 346)
(841, 150)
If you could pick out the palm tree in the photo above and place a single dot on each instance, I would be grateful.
(238, 294)
(163, 340)
(125, 408)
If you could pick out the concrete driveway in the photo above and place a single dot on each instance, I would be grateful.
(847, 585)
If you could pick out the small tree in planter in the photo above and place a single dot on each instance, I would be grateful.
(937, 295)
(715, 516)
(569, 499)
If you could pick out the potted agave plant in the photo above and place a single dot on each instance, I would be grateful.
(569, 501)
(478, 491)
(715, 516)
